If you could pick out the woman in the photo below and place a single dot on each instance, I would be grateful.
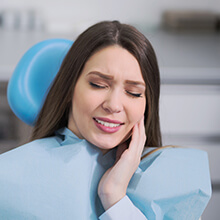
(84, 160)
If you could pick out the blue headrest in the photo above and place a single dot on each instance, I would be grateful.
(32, 77)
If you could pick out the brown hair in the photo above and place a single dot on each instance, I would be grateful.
(55, 111)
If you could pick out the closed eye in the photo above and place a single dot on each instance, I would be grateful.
(96, 85)
(135, 95)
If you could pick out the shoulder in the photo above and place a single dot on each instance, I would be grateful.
(172, 151)
(171, 156)
(32, 147)
(175, 170)
(178, 163)
(172, 179)
(26, 159)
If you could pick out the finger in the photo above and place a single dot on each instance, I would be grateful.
(134, 139)
(142, 135)
(138, 138)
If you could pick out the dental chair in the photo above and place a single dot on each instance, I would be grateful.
(33, 76)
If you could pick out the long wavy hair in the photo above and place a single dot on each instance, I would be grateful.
(55, 111)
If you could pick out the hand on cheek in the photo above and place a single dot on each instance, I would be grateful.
(113, 185)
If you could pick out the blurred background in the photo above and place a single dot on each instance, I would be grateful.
(186, 38)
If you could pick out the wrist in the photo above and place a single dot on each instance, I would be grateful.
(110, 199)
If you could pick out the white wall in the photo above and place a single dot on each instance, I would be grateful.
(67, 14)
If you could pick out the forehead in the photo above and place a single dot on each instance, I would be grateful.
(116, 61)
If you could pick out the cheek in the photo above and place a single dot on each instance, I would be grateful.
(85, 102)
(136, 111)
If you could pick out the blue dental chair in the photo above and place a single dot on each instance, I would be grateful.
(33, 76)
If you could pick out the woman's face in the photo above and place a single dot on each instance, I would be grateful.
(109, 98)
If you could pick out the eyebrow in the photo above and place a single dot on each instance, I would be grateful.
(104, 76)
(109, 77)
(136, 83)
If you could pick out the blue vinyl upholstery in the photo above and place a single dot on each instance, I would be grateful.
(32, 77)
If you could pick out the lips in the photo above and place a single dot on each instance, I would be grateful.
(107, 125)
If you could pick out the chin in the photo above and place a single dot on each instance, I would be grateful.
(106, 143)
(106, 146)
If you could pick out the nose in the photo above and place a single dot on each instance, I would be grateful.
(113, 102)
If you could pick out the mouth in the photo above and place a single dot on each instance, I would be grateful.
(107, 125)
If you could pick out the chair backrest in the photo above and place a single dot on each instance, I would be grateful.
(33, 76)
